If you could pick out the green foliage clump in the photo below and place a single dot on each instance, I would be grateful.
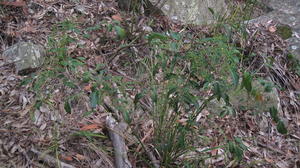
(214, 59)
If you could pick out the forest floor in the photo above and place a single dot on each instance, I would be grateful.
(105, 62)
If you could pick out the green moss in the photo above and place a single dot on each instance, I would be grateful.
(294, 63)
(284, 31)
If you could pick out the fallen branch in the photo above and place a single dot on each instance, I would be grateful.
(130, 138)
(50, 160)
(151, 156)
(115, 133)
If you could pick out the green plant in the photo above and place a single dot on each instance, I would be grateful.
(119, 30)
(174, 88)
(236, 148)
(214, 59)
(57, 65)
(210, 64)
(280, 125)
(294, 63)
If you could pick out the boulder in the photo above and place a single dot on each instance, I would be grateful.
(192, 11)
(286, 12)
(26, 57)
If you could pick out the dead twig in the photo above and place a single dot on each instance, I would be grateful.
(50, 160)
(16, 4)
(151, 156)
(270, 148)
(116, 51)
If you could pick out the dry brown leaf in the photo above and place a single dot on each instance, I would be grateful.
(272, 29)
(259, 97)
(182, 121)
(79, 157)
(66, 157)
(117, 17)
(214, 152)
(269, 160)
(89, 127)
(88, 87)
(28, 29)
(148, 135)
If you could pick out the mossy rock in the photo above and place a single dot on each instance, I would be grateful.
(284, 31)
(262, 97)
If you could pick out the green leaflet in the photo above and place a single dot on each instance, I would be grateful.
(247, 82)
(121, 33)
(67, 107)
(137, 97)
(94, 98)
(155, 35)
(273, 113)
(281, 128)
(235, 77)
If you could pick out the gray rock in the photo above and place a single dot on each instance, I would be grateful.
(26, 56)
(192, 11)
(286, 12)
(241, 100)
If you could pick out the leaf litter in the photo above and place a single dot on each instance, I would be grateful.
(30, 129)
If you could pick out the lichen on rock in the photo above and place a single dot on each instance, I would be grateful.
(26, 56)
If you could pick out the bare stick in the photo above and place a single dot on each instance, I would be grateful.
(151, 156)
(50, 160)
(119, 133)
(115, 133)
(116, 51)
